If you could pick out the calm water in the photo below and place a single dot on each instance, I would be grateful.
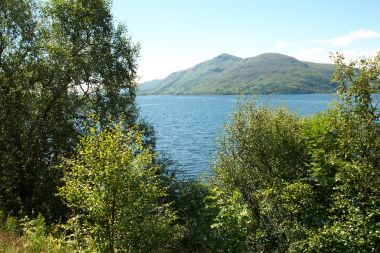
(187, 126)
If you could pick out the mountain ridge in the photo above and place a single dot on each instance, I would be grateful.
(263, 74)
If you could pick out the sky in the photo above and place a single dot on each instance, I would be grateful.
(177, 34)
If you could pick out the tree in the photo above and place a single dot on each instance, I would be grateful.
(232, 221)
(312, 184)
(345, 160)
(59, 61)
(189, 202)
(115, 195)
(262, 156)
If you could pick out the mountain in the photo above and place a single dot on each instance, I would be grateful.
(266, 73)
(149, 85)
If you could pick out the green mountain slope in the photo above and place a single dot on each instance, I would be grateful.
(266, 73)
(149, 85)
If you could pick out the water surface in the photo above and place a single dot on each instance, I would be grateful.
(187, 126)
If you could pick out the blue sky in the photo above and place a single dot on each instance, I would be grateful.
(177, 34)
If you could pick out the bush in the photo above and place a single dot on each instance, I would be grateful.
(312, 184)
(35, 233)
(11, 225)
(32, 238)
(114, 192)
(261, 154)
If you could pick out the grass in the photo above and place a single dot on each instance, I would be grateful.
(29, 236)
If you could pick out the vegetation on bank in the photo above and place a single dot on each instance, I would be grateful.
(79, 172)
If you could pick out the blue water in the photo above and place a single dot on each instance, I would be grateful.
(187, 126)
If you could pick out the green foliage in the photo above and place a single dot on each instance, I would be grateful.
(11, 225)
(35, 233)
(311, 184)
(260, 147)
(289, 211)
(350, 165)
(262, 156)
(31, 236)
(189, 203)
(2, 219)
(264, 74)
(231, 228)
(282, 183)
(113, 190)
(359, 113)
(59, 60)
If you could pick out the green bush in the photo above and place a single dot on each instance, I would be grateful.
(34, 232)
(112, 187)
(11, 225)
(262, 155)
(232, 224)
(310, 184)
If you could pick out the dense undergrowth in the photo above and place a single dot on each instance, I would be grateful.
(79, 172)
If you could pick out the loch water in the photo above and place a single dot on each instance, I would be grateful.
(187, 126)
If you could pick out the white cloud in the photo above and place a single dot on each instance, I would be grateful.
(322, 55)
(282, 44)
(355, 54)
(317, 54)
(349, 38)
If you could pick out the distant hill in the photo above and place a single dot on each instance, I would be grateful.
(149, 85)
(262, 74)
